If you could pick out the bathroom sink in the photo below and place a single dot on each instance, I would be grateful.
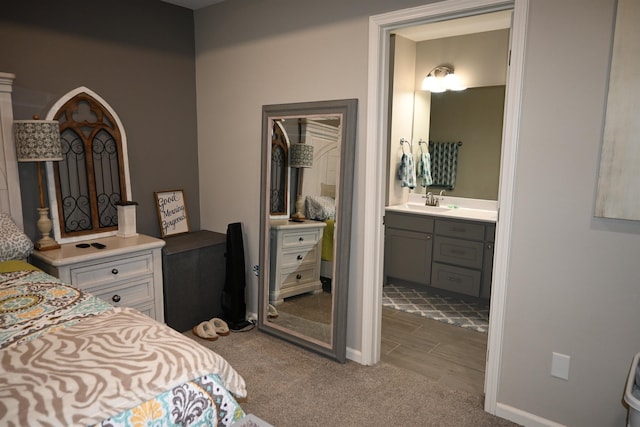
(427, 209)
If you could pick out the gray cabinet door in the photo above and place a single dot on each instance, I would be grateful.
(408, 256)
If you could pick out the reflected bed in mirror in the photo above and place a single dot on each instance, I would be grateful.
(305, 226)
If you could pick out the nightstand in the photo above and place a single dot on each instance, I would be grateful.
(295, 258)
(126, 273)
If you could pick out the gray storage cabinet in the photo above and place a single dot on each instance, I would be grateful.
(194, 267)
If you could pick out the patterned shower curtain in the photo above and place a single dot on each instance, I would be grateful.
(444, 162)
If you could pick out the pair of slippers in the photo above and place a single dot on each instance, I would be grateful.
(272, 313)
(210, 329)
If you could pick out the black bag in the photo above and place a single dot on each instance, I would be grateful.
(233, 301)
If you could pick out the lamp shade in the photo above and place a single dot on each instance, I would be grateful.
(37, 140)
(301, 156)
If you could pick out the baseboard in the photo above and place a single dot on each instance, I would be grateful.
(524, 418)
(354, 355)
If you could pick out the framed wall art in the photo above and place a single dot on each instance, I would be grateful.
(172, 212)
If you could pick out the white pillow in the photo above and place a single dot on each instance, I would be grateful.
(14, 244)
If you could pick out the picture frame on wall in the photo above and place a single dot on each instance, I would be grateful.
(172, 212)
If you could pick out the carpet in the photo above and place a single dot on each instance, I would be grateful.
(466, 312)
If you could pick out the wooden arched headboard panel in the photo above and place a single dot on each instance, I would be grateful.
(10, 199)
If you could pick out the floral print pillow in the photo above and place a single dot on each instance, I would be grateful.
(14, 244)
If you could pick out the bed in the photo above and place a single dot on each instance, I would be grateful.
(319, 185)
(69, 358)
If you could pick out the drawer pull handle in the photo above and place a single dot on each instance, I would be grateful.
(457, 252)
(116, 298)
(453, 279)
(298, 276)
(114, 271)
(300, 239)
(299, 257)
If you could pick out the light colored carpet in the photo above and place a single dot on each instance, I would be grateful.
(289, 386)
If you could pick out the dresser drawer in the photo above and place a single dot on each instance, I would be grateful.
(456, 279)
(129, 294)
(463, 230)
(464, 253)
(112, 271)
(298, 277)
(299, 238)
(298, 257)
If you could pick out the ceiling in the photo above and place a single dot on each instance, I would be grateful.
(193, 4)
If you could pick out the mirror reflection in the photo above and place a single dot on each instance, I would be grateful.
(302, 244)
(307, 173)
(473, 116)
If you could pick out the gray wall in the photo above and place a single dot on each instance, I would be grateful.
(139, 57)
(572, 278)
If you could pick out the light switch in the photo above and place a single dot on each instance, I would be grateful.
(560, 366)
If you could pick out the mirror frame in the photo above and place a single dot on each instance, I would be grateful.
(347, 108)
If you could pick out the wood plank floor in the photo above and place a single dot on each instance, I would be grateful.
(448, 354)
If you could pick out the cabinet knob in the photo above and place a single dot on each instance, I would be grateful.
(298, 276)
(428, 236)
(489, 246)
(114, 271)
(299, 257)
(300, 239)
(115, 298)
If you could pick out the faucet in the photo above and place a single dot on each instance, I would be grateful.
(431, 200)
(442, 193)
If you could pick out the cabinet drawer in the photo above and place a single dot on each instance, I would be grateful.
(409, 222)
(297, 277)
(456, 279)
(464, 230)
(300, 238)
(464, 253)
(113, 271)
(298, 257)
(127, 294)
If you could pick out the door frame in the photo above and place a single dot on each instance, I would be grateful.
(380, 27)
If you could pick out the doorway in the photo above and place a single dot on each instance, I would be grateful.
(375, 158)
(457, 292)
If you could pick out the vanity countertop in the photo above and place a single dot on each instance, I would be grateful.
(450, 207)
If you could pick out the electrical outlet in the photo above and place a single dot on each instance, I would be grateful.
(560, 366)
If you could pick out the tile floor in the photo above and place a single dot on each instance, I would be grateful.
(444, 353)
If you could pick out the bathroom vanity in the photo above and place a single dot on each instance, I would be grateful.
(445, 247)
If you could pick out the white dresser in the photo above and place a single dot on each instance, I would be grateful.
(126, 273)
(295, 252)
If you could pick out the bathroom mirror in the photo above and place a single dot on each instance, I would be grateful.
(473, 116)
(308, 154)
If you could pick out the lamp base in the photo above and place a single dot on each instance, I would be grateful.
(46, 243)
(298, 216)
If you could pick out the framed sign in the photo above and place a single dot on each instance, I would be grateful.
(172, 212)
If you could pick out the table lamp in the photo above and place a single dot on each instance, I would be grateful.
(301, 156)
(39, 141)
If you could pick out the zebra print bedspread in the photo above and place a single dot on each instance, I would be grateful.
(107, 364)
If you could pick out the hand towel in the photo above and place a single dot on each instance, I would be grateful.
(424, 169)
(407, 172)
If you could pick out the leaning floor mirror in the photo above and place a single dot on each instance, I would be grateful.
(308, 154)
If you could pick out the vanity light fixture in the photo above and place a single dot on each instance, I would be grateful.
(300, 157)
(442, 78)
(39, 141)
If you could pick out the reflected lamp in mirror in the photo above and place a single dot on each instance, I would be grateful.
(441, 79)
(300, 157)
(39, 141)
